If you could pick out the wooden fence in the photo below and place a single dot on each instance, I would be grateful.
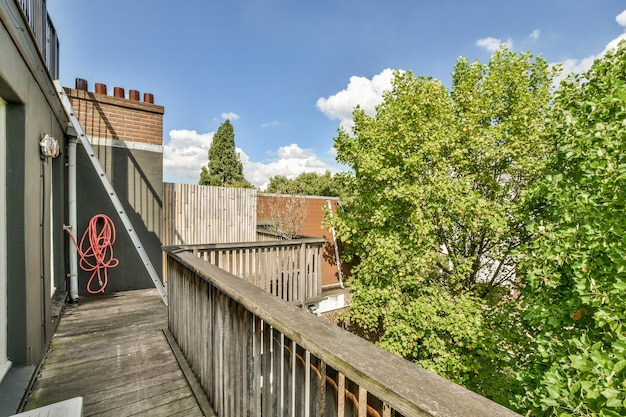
(256, 355)
(288, 269)
(200, 214)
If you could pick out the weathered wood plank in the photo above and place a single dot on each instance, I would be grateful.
(176, 409)
(123, 382)
(146, 404)
(72, 354)
(111, 351)
(202, 214)
(142, 399)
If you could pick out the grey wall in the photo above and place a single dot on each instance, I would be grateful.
(136, 176)
(33, 109)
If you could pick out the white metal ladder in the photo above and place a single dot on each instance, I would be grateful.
(67, 105)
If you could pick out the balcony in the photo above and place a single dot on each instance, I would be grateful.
(246, 351)
(44, 33)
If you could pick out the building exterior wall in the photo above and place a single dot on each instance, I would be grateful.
(33, 219)
(127, 136)
(5, 364)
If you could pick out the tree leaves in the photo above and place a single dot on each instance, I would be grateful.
(437, 179)
(452, 188)
(575, 293)
(308, 183)
(463, 194)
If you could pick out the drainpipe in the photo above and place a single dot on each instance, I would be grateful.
(71, 185)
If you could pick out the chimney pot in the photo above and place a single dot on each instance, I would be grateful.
(101, 88)
(133, 95)
(148, 98)
(118, 92)
(81, 84)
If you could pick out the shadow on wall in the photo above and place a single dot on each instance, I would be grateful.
(136, 176)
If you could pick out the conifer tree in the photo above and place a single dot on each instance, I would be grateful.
(224, 167)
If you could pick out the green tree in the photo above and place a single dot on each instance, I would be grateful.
(224, 167)
(280, 184)
(307, 183)
(575, 267)
(437, 175)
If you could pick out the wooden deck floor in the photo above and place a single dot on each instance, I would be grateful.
(111, 350)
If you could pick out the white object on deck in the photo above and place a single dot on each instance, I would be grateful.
(67, 408)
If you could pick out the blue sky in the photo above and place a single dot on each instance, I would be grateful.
(288, 73)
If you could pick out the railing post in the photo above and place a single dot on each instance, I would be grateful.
(318, 268)
(302, 276)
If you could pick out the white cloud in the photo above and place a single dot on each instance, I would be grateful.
(185, 154)
(535, 34)
(621, 18)
(492, 44)
(571, 65)
(577, 66)
(613, 43)
(230, 116)
(359, 91)
(289, 161)
(271, 124)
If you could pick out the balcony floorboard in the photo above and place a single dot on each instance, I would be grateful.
(111, 350)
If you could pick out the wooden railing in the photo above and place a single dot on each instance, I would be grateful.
(45, 34)
(288, 269)
(256, 355)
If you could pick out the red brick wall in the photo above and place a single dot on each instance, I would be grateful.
(118, 118)
(312, 227)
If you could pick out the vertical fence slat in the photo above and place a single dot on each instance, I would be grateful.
(200, 214)
(321, 389)
(266, 366)
(307, 384)
(302, 276)
(294, 373)
(218, 355)
(341, 395)
(362, 402)
(257, 391)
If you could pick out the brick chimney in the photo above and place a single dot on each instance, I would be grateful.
(117, 117)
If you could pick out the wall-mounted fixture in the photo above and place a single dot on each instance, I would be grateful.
(49, 146)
